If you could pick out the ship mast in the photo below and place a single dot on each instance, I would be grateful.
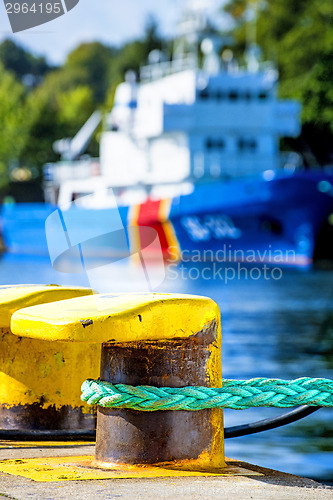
(197, 35)
(252, 49)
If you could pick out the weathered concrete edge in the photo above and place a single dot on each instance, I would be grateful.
(272, 484)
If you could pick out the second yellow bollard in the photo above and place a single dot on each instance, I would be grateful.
(40, 380)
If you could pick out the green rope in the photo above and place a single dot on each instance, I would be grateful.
(235, 394)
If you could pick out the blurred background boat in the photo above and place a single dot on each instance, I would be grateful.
(192, 150)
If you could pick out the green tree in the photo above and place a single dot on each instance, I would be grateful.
(75, 107)
(13, 125)
(21, 62)
(89, 64)
(44, 129)
(64, 100)
(298, 36)
(52, 117)
(86, 66)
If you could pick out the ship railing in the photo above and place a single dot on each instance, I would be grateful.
(59, 172)
(164, 68)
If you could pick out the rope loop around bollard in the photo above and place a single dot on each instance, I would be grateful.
(234, 394)
(96, 391)
(270, 392)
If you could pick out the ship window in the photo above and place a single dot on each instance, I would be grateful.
(263, 96)
(233, 95)
(219, 95)
(214, 143)
(248, 95)
(247, 145)
(209, 144)
(203, 94)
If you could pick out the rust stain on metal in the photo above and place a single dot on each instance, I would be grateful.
(37, 417)
(132, 437)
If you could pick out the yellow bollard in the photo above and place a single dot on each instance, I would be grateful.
(147, 339)
(39, 380)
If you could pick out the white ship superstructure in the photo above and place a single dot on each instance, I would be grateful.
(184, 121)
(193, 124)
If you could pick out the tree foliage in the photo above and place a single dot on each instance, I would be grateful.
(21, 62)
(298, 36)
(13, 125)
(89, 64)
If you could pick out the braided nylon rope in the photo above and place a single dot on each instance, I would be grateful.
(235, 394)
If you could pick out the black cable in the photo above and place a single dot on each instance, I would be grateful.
(270, 423)
(229, 432)
(52, 435)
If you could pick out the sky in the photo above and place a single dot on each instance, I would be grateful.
(108, 21)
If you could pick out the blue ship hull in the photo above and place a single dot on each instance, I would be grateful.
(283, 220)
(286, 219)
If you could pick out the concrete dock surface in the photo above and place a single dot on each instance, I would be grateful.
(265, 484)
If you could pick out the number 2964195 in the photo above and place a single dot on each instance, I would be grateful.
(35, 8)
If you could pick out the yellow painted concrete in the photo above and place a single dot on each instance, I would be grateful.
(119, 318)
(80, 468)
